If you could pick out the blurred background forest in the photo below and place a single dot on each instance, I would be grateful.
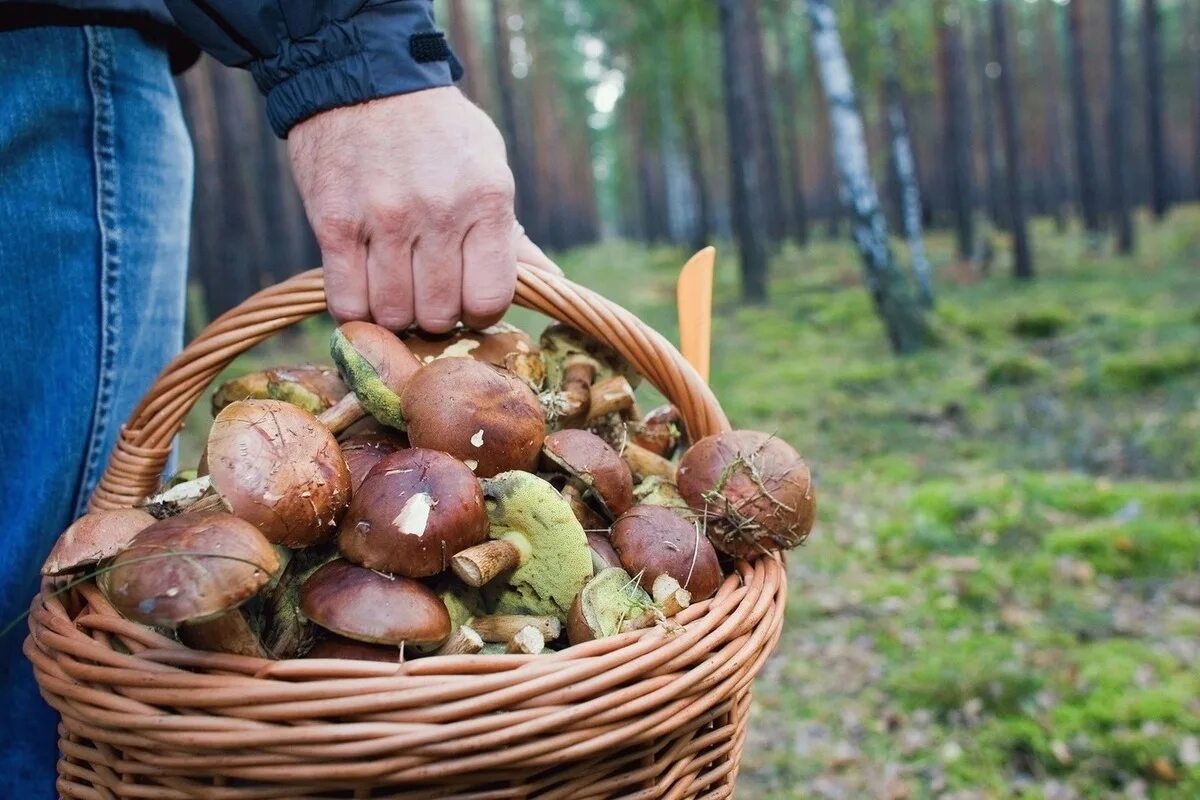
(1002, 596)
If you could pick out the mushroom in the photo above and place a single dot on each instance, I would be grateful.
(654, 540)
(645, 463)
(528, 641)
(659, 491)
(312, 388)
(659, 431)
(669, 596)
(482, 415)
(502, 345)
(376, 366)
(588, 517)
(189, 568)
(362, 451)
(502, 627)
(95, 537)
(463, 641)
(175, 498)
(284, 631)
(610, 603)
(415, 510)
(363, 605)
(603, 554)
(574, 363)
(593, 466)
(274, 465)
(231, 632)
(334, 646)
(536, 542)
(754, 490)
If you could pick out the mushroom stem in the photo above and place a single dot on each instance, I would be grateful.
(588, 518)
(464, 641)
(178, 498)
(527, 641)
(644, 463)
(576, 390)
(503, 627)
(342, 414)
(613, 395)
(669, 596)
(229, 633)
(478, 565)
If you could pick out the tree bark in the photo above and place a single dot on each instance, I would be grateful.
(1153, 73)
(1117, 146)
(1058, 188)
(894, 302)
(987, 110)
(527, 200)
(797, 219)
(702, 230)
(956, 126)
(1085, 157)
(764, 122)
(466, 47)
(904, 165)
(1022, 257)
(746, 171)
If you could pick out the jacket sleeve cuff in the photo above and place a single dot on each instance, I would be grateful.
(386, 49)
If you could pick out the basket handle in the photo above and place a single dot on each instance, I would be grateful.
(141, 452)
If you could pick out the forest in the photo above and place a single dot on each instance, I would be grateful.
(958, 247)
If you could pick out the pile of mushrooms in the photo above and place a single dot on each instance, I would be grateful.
(468, 493)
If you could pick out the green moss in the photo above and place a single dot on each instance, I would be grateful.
(1149, 369)
(945, 677)
(1041, 323)
(1139, 548)
(1015, 370)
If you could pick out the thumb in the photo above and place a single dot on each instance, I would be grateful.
(531, 254)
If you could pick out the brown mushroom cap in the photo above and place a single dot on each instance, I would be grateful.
(588, 458)
(334, 646)
(189, 568)
(280, 469)
(659, 430)
(754, 489)
(415, 510)
(313, 388)
(363, 451)
(376, 366)
(361, 604)
(502, 345)
(482, 415)
(654, 540)
(94, 537)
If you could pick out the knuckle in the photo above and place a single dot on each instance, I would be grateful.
(337, 230)
(394, 217)
(489, 304)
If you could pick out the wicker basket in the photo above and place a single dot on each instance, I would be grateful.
(646, 714)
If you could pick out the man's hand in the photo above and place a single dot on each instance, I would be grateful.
(411, 200)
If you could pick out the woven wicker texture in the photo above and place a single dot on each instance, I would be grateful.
(648, 714)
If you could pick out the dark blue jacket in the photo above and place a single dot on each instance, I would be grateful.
(305, 56)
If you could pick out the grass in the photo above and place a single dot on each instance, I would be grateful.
(1001, 597)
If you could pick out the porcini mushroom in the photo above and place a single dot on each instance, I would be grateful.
(275, 466)
(482, 415)
(654, 540)
(645, 463)
(660, 430)
(538, 549)
(189, 568)
(754, 490)
(574, 363)
(415, 510)
(502, 627)
(363, 605)
(588, 460)
(610, 603)
(96, 536)
(376, 366)
(502, 345)
(313, 388)
(363, 451)
(231, 632)
(334, 646)
(659, 491)
(603, 554)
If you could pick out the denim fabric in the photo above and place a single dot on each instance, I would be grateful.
(95, 190)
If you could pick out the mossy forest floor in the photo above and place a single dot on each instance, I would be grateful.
(1002, 595)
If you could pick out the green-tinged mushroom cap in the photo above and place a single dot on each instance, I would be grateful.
(555, 563)
(375, 365)
(610, 603)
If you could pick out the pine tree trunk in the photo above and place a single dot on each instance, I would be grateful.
(1011, 127)
(466, 47)
(904, 166)
(894, 302)
(987, 110)
(798, 218)
(956, 126)
(1117, 145)
(764, 125)
(527, 200)
(1058, 179)
(745, 169)
(1153, 73)
(1085, 158)
(702, 230)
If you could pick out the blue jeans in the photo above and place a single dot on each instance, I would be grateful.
(95, 194)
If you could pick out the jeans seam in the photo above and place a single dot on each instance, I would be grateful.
(100, 86)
